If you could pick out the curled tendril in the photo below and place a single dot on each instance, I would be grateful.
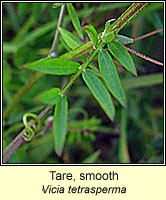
(31, 127)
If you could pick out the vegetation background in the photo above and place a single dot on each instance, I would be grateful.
(135, 136)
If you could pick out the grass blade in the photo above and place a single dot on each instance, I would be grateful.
(110, 76)
(99, 92)
(54, 66)
(75, 19)
(13, 18)
(143, 81)
(120, 52)
(60, 124)
(123, 146)
(24, 29)
(50, 96)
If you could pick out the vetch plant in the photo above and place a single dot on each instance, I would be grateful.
(104, 83)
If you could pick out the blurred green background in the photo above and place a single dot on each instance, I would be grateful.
(135, 136)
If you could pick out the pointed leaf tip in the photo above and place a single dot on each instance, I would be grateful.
(120, 52)
(55, 66)
(60, 124)
(110, 76)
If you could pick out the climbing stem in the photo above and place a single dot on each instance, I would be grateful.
(82, 68)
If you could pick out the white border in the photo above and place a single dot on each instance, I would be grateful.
(77, 164)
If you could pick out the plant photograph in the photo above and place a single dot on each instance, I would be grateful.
(83, 82)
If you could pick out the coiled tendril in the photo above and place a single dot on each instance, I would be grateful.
(31, 127)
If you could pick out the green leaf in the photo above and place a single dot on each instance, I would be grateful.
(110, 76)
(92, 158)
(60, 124)
(75, 19)
(124, 39)
(91, 31)
(51, 96)
(71, 40)
(81, 50)
(54, 66)
(120, 52)
(99, 92)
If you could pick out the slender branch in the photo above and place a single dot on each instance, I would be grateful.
(145, 57)
(144, 36)
(18, 143)
(148, 34)
(82, 67)
(12, 143)
(70, 82)
(41, 115)
(57, 30)
(47, 108)
(127, 16)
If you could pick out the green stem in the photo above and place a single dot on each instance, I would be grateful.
(127, 16)
(70, 82)
(82, 68)
(143, 81)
